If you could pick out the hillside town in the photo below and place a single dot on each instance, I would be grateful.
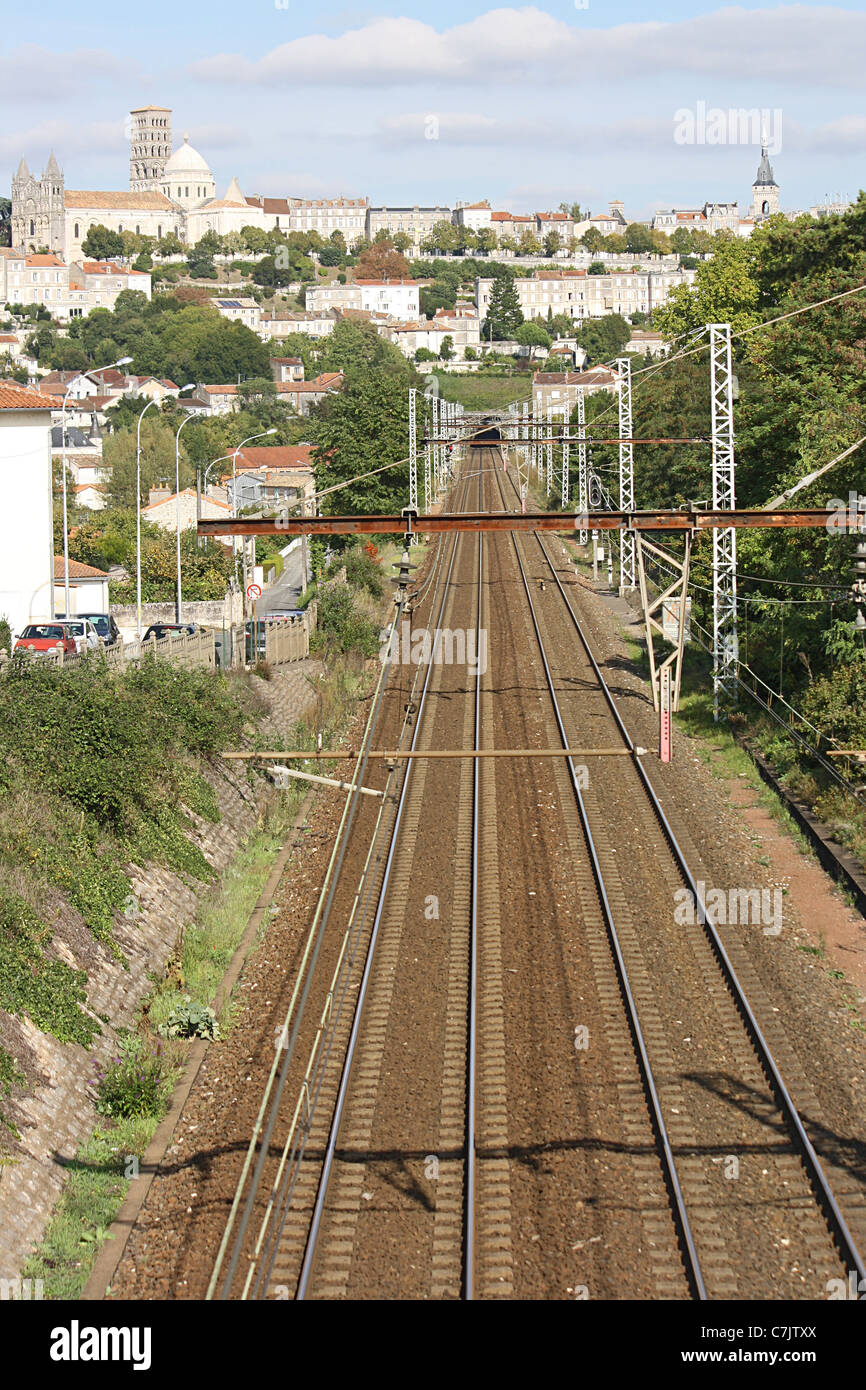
(433, 673)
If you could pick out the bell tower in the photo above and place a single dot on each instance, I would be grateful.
(149, 147)
(765, 190)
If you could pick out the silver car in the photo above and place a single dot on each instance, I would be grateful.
(84, 634)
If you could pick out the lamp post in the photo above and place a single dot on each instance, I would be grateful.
(141, 415)
(186, 421)
(121, 362)
(248, 440)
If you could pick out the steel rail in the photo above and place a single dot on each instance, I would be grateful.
(273, 1221)
(330, 1152)
(832, 1212)
(308, 961)
(694, 1272)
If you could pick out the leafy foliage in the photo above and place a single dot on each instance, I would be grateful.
(190, 1020)
(133, 1083)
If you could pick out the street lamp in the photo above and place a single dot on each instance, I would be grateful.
(141, 415)
(186, 421)
(121, 362)
(248, 440)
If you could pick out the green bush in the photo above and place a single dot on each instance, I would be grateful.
(133, 1083)
(190, 1020)
(46, 990)
(342, 624)
(363, 572)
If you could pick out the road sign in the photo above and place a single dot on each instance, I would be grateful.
(254, 591)
(671, 620)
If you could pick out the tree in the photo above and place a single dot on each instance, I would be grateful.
(446, 351)
(615, 242)
(382, 262)
(368, 418)
(486, 240)
(330, 256)
(592, 240)
(638, 238)
(423, 354)
(528, 245)
(604, 339)
(255, 239)
(200, 264)
(157, 460)
(504, 315)
(532, 335)
(436, 296)
(597, 268)
(443, 237)
(552, 242)
(724, 291)
(144, 261)
(574, 211)
(101, 244)
(681, 241)
(5, 222)
(170, 245)
(402, 242)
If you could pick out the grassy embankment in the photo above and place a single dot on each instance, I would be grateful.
(132, 1092)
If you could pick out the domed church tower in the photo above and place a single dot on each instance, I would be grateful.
(186, 178)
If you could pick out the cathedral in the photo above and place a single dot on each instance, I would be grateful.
(169, 191)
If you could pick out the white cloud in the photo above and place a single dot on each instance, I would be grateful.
(813, 44)
(847, 134)
(95, 138)
(32, 73)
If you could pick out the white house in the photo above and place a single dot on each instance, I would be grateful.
(88, 587)
(26, 531)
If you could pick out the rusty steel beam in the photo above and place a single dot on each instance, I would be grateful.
(685, 520)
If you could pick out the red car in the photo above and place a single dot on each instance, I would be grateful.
(46, 637)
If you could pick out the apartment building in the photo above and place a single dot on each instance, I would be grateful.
(584, 296)
(416, 222)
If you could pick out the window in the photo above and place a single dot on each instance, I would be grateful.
(76, 231)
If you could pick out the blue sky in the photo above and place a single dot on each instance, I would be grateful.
(528, 106)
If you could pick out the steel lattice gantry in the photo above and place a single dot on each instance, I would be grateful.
(725, 646)
(413, 454)
(626, 474)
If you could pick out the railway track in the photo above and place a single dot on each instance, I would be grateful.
(698, 1103)
(442, 1130)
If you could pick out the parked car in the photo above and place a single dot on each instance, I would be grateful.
(105, 626)
(85, 634)
(160, 630)
(46, 637)
(281, 615)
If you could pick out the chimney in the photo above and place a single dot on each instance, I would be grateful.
(158, 494)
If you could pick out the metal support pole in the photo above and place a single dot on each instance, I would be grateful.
(626, 475)
(549, 448)
(565, 461)
(582, 489)
(436, 447)
(413, 454)
(725, 648)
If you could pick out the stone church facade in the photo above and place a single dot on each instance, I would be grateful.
(169, 191)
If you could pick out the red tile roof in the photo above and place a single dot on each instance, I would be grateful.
(77, 570)
(16, 397)
(278, 456)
